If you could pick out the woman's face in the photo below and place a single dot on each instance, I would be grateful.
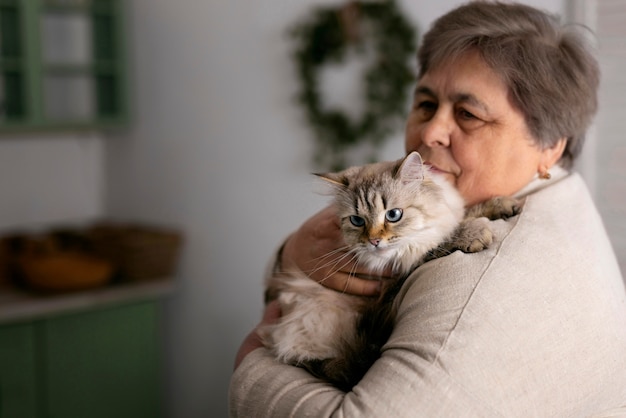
(464, 126)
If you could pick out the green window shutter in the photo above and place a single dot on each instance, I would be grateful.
(62, 65)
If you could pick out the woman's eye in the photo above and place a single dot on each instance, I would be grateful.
(357, 220)
(394, 215)
(426, 106)
(464, 114)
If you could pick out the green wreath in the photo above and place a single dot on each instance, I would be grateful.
(325, 38)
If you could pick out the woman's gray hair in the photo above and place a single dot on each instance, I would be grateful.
(549, 68)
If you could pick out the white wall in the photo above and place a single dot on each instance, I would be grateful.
(50, 180)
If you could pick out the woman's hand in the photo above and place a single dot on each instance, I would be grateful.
(317, 249)
(253, 341)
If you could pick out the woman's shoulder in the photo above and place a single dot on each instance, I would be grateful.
(556, 245)
(538, 294)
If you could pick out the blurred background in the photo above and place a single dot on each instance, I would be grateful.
(217, 148)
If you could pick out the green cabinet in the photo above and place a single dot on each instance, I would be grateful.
(18, 371)
(62, 65)
(96, 363)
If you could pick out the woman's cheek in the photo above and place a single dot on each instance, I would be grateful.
(412, 135)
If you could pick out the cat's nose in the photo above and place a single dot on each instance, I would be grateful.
(375, 241)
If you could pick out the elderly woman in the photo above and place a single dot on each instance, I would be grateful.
(536, 324)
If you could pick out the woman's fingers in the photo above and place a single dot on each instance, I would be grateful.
(354, 285)
(271, 314)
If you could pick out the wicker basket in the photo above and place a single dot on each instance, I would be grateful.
(139, 252)
(41, 262)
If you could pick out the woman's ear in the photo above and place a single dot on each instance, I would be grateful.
(551, 155)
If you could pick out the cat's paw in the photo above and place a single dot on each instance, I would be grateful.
(504, 207)
(501, 207)
(473, 235)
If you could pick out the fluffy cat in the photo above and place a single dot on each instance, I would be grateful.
(393, 214)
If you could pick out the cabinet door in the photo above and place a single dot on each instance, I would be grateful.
(103, 363)
(18, 396)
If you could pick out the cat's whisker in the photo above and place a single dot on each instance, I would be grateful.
(356, 257)
(333, 252)
(333, 262)
(352, 273)
(336, 268)
(331, 259)
(351, 255)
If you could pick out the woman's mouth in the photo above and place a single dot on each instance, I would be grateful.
(434, 168)
(449, 175)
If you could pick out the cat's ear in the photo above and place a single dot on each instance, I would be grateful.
(336, 179)
(411, 168)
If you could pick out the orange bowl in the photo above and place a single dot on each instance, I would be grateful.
(65, 271)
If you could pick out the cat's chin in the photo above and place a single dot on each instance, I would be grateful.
(377, 256)
(380, 251)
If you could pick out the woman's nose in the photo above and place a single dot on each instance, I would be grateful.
(436, 132)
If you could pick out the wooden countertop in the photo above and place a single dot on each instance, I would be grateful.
(18, 305)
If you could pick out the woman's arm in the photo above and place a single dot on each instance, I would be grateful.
(405, 381)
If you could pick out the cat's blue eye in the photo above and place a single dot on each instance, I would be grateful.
(393, 215)
(357, 220)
